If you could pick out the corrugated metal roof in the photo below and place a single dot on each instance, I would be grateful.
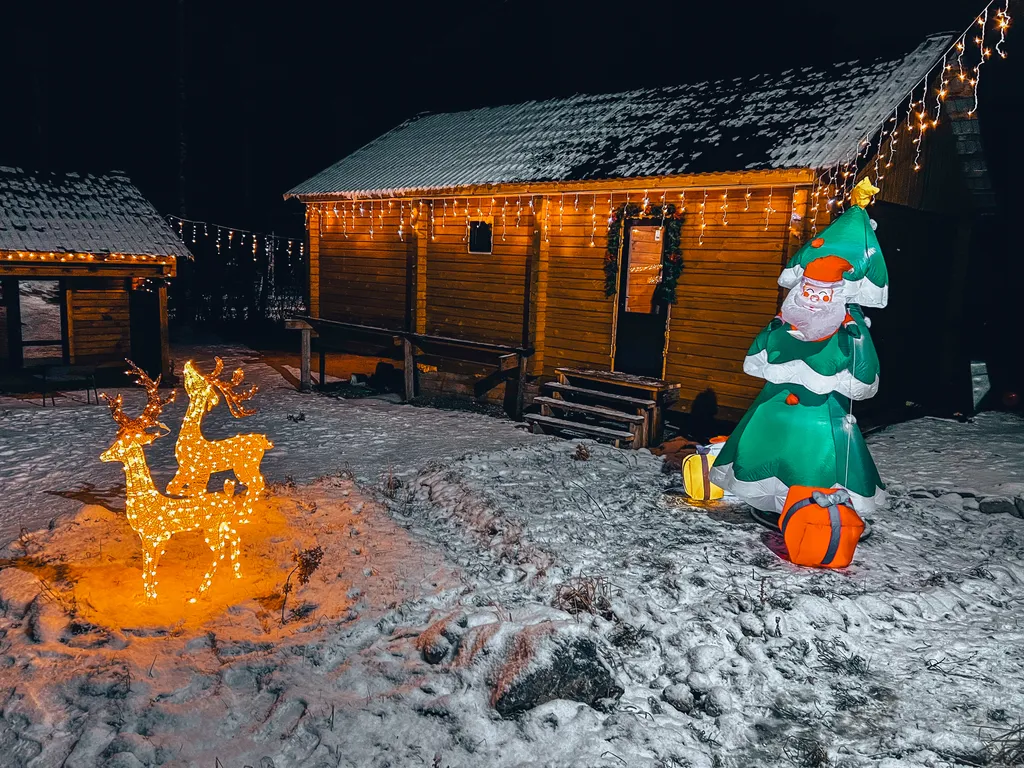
(72, 213)
(807, 118)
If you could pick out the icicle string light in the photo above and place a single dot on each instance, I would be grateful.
(983, 53)
(703, 222)
(593, 219)
(1002, 24)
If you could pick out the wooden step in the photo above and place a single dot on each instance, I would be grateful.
(592, 430)
(591, 410)
(596, 394)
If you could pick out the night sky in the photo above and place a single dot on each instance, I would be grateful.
(274, 92)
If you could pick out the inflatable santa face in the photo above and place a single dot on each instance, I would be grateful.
(815, 307)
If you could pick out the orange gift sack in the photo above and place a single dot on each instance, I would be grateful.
(820, 527)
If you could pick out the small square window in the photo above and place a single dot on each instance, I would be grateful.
(480, 231)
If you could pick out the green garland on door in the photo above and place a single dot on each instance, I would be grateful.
(671, 247)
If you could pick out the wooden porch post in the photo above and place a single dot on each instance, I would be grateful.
(537, 286)
(305, 384)
(165, 345)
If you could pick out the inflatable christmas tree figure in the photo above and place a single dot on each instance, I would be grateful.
(816, 356)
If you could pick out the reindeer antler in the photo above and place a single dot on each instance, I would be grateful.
(227, 388)
(154, 404)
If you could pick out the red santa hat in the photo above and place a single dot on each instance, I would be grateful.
(827, 269)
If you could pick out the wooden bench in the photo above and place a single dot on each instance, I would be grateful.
(509, 361)
(64, 376)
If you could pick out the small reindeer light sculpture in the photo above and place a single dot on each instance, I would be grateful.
(155, 517)
(198, 458)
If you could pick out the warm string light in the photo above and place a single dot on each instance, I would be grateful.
(983, 53)
(647, 202)
(960, 47)
(547, 221)
(941, 91)
(561, 206)
(371, 217)
(576, 203)
(519, 209)
(444, 213)
(401, 220)
(465, 237)
(746, 200)
(593, 218)
(725, 208)
(815, 200)
(768, 210)
(703, 223)
(156, 517)
(894, 137)
(504, 206)
(1002, 24)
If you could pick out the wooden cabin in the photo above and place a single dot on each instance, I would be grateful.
(108, 254)
(542, 226)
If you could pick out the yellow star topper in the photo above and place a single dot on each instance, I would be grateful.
(863, 192)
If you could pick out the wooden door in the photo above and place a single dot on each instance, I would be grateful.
(642, 317)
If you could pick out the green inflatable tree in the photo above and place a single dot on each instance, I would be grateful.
(816, 356)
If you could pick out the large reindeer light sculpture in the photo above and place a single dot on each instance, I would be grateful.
(155, 517)
(198, 458)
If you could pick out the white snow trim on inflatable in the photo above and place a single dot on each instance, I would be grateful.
(770, 494)
(799, 372)
(862, 291)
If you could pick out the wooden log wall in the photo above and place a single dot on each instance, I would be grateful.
(356, 277)
(578, 331)
(98, 322)
(727, 292)
(476, 296)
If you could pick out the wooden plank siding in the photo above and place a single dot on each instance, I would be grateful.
(477, 296)
(728, 291)
(98, 321)
(579, 315)
(360, 278)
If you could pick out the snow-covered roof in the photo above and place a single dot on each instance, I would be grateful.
(73, 213)
(801, 118)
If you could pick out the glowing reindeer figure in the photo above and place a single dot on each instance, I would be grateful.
(156, 517)
(198, 458)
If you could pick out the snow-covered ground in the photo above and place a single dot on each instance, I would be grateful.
(49, 456)
(442, 595)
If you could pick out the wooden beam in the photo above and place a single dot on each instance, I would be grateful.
(313, 276)
(752, 179)
(409, 370)
(305, 385)
(30, 271)
(422, 253)
(165, 344)
(537, 288)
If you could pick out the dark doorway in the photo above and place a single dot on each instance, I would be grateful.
(640, 331)
(144, 314)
